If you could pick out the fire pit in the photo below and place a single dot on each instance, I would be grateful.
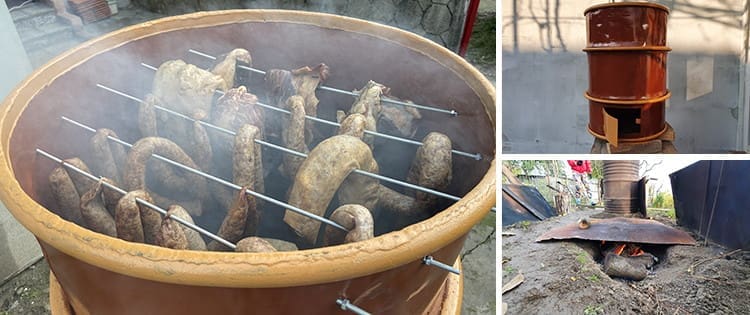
(98, 84)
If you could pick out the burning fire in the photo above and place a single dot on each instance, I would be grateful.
(629, 249)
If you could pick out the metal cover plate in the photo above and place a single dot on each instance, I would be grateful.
(631, 230)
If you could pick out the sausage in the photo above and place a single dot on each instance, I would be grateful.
(353, 125)
(306, 81)
(234, 109)
(81, 182)
(170, 234)
(357, 219)
(147, 116)
(111, 196)
(227, 66)
(65, 194)
(402, 210)
(254, 245)
(108, 156)
(194, 239)
(247, 160)
(325, 171)
(200, 146)
(128, 216)
(431, 168)
(94, 213)
(188, 185)
(233, 226)
(293, 136)
(368, 104)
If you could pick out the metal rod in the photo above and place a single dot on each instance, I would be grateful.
(274, 146)
(335, 90)
(428, 260)
(348, 306)
(475, 156)
(141, 201)
(219, 180)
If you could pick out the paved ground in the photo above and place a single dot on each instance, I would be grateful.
(27, 293)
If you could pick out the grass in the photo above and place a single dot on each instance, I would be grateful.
(581, 258)
(525, 224)
(670, 213)
(593, 310)
(593, 278)
(483, 40)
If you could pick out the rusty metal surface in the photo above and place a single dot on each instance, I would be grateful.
(631, 230)
(711, 198)
(620, 187)
(524, 203)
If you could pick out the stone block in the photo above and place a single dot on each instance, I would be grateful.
(437, 19)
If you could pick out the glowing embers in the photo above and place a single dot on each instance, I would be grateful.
(627, 260)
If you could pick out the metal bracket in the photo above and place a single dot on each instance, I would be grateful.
(348, 306)
(428, 260)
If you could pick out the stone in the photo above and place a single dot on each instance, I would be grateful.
(452, 38)
(408, 15)
(358, 9)
(382, 11)
(424, 4)
(437, 19)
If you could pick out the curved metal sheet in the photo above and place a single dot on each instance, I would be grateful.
(631, 230)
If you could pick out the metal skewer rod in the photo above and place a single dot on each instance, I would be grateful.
(335, 90)
(277, 147)
(348, 306)
(141, 201)
(219, 180)
(429, 261)
(475, 156)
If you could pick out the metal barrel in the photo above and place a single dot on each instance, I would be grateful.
(627, 56)
(620, 187)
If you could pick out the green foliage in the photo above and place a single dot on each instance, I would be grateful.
(593, 310)
(597, 169)
(663, 200)
(593, 278)
(525, 224)
(581, 258)
(508, 270)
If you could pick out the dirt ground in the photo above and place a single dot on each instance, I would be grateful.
(562, 277)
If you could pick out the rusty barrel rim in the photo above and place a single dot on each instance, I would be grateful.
(603, 49)
(243, 270)
(626, 4)
(628, 102)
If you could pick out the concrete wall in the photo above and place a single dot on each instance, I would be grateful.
(439, 20)
(18, 248)
(545, 73)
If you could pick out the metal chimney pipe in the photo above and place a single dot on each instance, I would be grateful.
(620, 186)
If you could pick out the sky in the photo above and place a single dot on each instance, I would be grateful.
(661, 171)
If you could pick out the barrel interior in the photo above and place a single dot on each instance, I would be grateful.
(353, 56)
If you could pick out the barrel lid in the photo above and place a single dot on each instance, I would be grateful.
(626, 4)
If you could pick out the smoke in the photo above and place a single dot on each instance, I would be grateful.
(354, 59)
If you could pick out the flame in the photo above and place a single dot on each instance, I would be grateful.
(618, 250)
(635, 251)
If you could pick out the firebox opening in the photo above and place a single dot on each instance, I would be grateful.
(629, 261)
(629, 120)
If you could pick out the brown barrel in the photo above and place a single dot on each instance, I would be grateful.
(99, 274)
(627, 24)
(620, 187)
(638, 120)
(627, 69)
